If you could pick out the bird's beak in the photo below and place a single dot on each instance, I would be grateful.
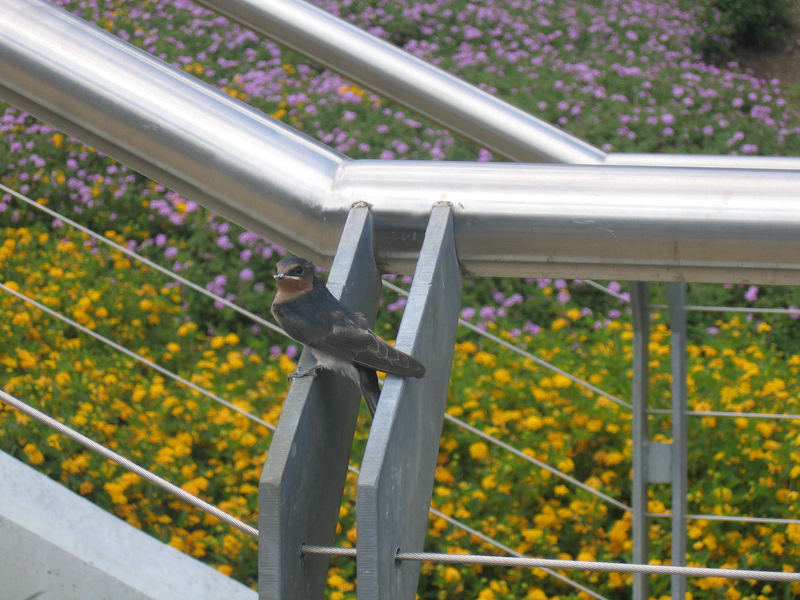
(279, 275)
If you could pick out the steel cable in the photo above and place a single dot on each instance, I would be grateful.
(137, 357)
(552, 563)
(128, 464)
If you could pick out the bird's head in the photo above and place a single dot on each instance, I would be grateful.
(294, 274)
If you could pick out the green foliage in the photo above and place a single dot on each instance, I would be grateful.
(735, 24)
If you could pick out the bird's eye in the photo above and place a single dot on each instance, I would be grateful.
(296, 271)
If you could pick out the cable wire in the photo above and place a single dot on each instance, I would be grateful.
(169, 273)
(722, 413)
(458, 422)
(492, 542)
(538, 463)
(585, 565)
(137, 357)
(128, 464)
(526, 354)
(146, 261)
(731, 518)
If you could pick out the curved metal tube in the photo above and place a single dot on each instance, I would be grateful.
(162, 122)
(461, 107)
(656, 223)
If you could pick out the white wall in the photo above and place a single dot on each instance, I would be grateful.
(56, 545)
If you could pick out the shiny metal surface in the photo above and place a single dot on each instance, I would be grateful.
(428, 90)
(621, 222)
(160, 121)
(704, 161)
(648, 223)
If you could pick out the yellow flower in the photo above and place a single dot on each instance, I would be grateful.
(559, 323)
(196, 485)
(187, 328)
(451, 574)
(485, 359)
(286, 364)
(471, 348)
(488, 482)
(793, 533)
(337, 581)
(116, 491)
(561, 381)
(502, 376)
(478, 450)
(35, 456)
(248, 439)
(231, 545)
(566, 465)
(533, 422)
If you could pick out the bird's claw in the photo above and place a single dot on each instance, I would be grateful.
(304, 372)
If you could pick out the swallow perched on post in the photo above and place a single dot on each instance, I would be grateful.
(338, 338)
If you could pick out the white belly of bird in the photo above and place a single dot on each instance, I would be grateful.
(333, 363)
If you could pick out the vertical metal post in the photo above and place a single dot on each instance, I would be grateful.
(641, 336)
(396, 480)
(303, 478)
(676, 301)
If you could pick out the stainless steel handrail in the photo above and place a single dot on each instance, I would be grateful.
(637, 223)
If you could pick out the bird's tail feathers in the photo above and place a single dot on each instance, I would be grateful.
(368, 382)
(382, 356)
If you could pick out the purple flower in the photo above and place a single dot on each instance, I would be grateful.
(531, 328)
(171, 252)
(467, 313)
(751, 294)
(246, 274)
(488, 313)
(397, 304)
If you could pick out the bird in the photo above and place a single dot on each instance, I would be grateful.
(339, 339)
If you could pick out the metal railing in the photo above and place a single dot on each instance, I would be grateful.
(593, 221)
(640, 569)
(635, 217)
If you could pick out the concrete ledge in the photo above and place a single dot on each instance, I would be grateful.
(56, 545)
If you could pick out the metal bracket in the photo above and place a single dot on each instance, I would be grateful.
(303, 478)
(659, 462)
(396, 480)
